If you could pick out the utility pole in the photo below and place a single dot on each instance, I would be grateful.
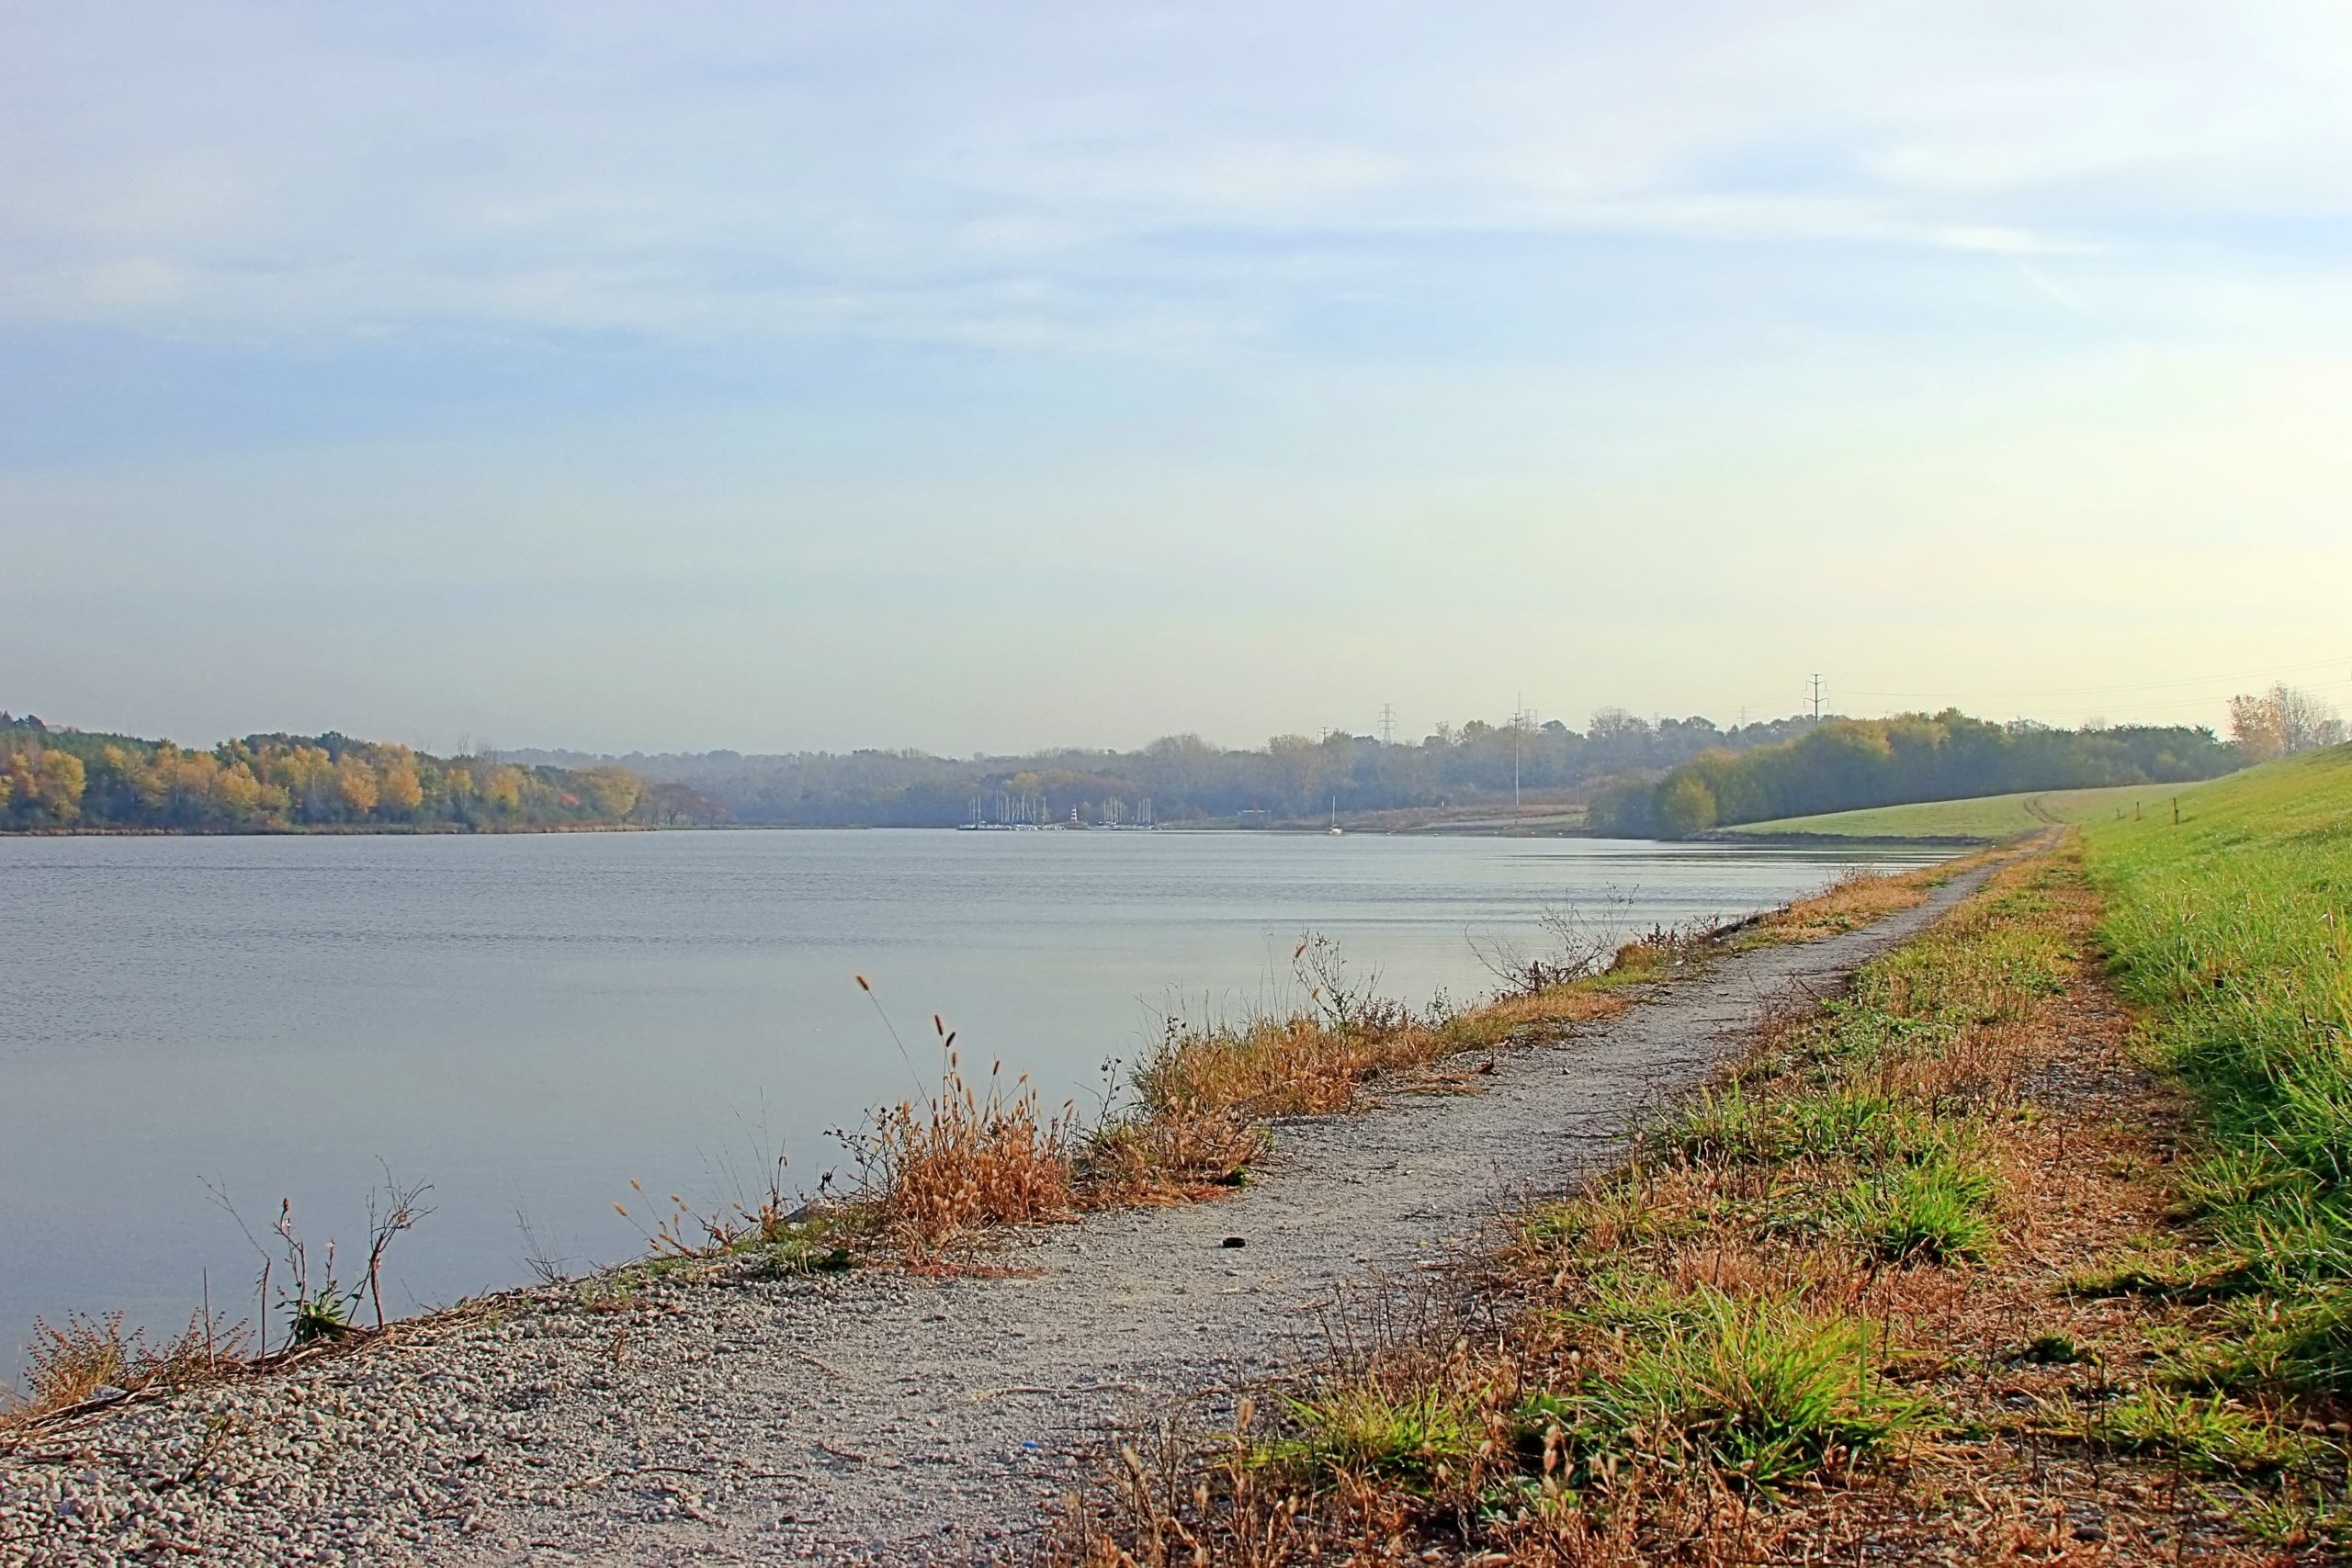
(1816, 698)
(1388, 725)
(1518, 745)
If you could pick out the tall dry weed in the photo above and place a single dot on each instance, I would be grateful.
(966, 1158)
(87, 1355)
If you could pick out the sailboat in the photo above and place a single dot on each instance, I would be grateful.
(1336, 828)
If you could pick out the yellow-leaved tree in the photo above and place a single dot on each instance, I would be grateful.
(238, 792)
(504, 790)
(400, 791)
(42, 788)
(354, 785)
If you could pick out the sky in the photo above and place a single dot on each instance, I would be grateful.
(785, 376)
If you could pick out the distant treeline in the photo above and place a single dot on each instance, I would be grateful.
(1186, 778)
(1846, 764)
(52, 779)
(1672, 777)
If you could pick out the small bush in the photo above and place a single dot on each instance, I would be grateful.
(69, 1364)
(325, 1313)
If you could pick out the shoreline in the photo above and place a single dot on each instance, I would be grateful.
(1852, 840)
(341, 831)
(656, 1312)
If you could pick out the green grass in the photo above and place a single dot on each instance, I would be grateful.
(1939, 1211)
(1364, 1426)
(2208, 1434)
(1768, 1389)
(2230, 929)
(1991, 816)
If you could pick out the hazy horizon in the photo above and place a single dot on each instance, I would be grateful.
(469, 743)
(989, 379)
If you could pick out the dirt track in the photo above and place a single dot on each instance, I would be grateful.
(875, 1416)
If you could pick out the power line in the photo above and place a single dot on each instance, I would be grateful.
(2138, 687)
(2176, 709)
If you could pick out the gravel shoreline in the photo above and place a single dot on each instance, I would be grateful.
(874, 1415)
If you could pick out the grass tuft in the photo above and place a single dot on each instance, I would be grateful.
(1366, 1425)
(2209, 1433)
(969, 1158)
(1765, 1390)
(1939, 1211)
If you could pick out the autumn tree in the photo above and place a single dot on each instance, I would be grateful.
(503, 790)
(54, 778)
(2283, 721)
(307, 774)
(354, 785)
(239, 793)
(43, 787)
(399, 792)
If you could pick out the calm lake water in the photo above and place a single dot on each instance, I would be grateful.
(528, 1022)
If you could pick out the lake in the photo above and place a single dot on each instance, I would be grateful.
(529, 1022)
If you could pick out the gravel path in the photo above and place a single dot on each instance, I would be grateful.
(871, 1416)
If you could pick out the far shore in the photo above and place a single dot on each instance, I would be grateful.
(333, 830)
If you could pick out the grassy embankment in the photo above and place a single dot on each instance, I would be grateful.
(1991, 818)
(2230, 930)
(938, 1180)
(1969, 1265)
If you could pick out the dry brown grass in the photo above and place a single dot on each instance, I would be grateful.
(1573, 1411)
(1203, 1100)
(88, 1356)
(970, 1158)
(1859, 899)
(1206, 1096)
(1853, 900)
(1303, 1066)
